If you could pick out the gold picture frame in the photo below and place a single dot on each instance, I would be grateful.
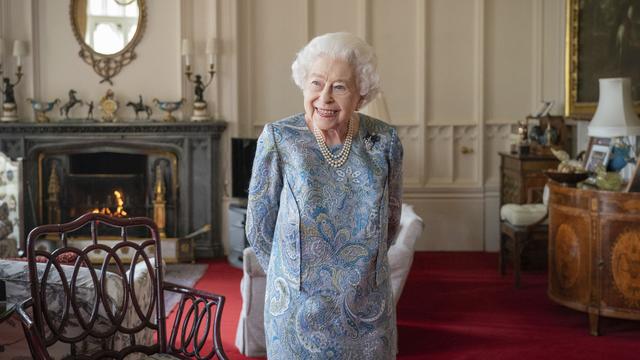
(597, 47)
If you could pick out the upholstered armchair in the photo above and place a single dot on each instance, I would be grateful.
(520, 226)
(250, 338)
(82, 312)
(11, 218)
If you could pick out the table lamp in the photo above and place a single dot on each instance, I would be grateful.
(615, 115)
(377, 108)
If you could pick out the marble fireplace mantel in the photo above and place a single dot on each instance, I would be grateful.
(194, 145)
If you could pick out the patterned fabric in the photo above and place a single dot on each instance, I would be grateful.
(15, 274)
(10, 231)
(322, 235)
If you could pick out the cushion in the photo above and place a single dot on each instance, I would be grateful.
(401, 252)
(522, 215)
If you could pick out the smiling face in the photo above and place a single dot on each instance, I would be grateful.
(330, 94)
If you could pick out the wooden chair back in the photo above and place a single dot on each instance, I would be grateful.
(102, 320)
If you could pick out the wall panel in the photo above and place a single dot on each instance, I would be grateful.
(394, 36)
(450, 62)
(274, 45)
(509, 63)
(334, 15)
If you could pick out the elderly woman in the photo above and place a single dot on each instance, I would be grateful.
(324, 207)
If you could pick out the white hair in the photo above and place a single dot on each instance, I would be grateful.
(345, 46)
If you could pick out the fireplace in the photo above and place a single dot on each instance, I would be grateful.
(123, 182)
(166, 171)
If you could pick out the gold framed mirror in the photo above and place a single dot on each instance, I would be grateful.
(108, 32)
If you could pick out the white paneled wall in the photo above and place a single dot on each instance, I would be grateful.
(456, 75)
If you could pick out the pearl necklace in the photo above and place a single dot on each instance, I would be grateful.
(335, 161)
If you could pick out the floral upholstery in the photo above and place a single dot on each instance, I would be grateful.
(15, 274)
(10, 203)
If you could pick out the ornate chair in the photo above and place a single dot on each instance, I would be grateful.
(521, 226)
(115, 316)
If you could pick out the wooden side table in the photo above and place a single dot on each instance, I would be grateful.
(521, 177)
(522, 181)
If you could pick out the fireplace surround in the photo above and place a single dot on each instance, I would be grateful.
(71, 168)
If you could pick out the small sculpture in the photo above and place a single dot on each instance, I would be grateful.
(610, 181)
(90, 111)
(200, 112)
(567, 165)
(109, 106)
(621, 155)
(9, 107)
(140, 107)
(41, 108)
(168, 107)
(73, 100)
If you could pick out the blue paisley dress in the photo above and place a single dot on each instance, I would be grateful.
(322, 234)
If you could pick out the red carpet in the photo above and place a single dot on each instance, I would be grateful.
(456, 306)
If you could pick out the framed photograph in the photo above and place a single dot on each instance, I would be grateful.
(634, 182)
(598, 153)
(602, 42)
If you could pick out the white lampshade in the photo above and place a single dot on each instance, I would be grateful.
(212, 46)
(19, 48)
(377, 108)
(186, 47)
(615, 115)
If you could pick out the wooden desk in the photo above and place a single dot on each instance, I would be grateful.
(521, 177)
(594, 252)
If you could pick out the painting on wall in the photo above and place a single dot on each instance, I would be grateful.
(603, 41)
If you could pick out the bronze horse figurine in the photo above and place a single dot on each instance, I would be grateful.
(140, 107)
(64, 109)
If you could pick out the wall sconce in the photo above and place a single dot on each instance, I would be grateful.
(9, 107)
(200, 112)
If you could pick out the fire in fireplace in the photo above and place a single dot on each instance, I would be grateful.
(118, 212)
(113, 183)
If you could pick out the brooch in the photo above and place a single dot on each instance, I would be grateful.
(370, 140)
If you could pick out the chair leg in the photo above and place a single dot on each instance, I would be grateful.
(518, 245)
(502, 261)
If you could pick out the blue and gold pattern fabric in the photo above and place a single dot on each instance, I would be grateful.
(322, 234)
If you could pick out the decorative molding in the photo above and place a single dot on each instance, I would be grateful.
(214, 128)
(308, 16)
(479, 137)
(422, 50)
(537, 36)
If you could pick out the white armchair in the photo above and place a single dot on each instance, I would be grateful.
(11, 241)
(250, 338)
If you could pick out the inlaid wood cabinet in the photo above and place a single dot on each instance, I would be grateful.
(594, 252)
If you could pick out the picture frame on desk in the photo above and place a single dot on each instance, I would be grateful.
(634, 181)
(598, 153)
